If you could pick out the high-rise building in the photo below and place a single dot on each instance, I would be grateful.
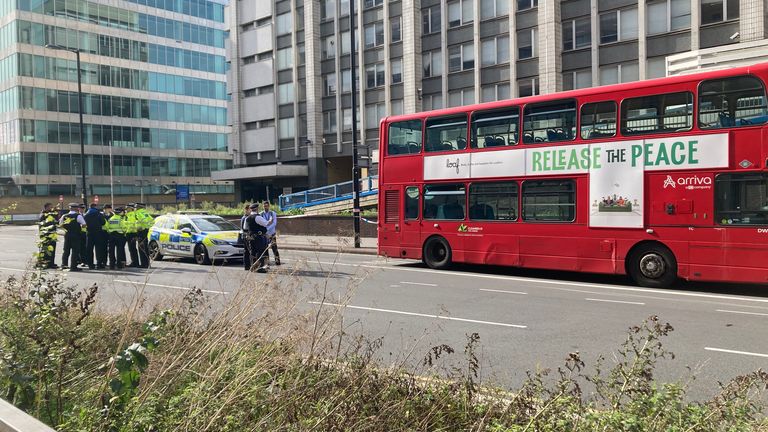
(154, 97)
(291, 83)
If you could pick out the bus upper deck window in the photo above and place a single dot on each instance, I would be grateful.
(495, 128)
(732, 102)
(549, 122)
(598, 120)
(446, 134)
(669, 112)
(404, 138)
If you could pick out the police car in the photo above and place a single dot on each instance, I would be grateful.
(200, 236)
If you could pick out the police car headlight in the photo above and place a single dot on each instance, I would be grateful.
(219, 242)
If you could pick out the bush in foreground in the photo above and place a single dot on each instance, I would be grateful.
(256, 364)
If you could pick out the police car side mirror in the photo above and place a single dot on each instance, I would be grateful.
(186, 231)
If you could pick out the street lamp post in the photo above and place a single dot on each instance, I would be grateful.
(84, 194)
(355, 165)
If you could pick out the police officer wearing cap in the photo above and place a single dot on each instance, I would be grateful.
(131, 234)
(96, 242)
(255, 230)
(72, 223)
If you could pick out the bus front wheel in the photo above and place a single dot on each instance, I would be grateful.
(653, 266)
(437, 253)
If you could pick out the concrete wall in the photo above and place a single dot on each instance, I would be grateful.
(31, 205)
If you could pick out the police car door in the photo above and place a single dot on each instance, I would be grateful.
(165, 230)
(184, 240)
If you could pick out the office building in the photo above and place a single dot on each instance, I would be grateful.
(290, 78)
(154, 97)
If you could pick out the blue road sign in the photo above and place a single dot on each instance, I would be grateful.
(182, 193)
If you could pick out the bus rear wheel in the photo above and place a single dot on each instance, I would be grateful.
(653, 266)
(437, 253)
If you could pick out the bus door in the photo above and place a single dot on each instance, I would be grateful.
(410, 230)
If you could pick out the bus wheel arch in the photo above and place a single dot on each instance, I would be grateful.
(436, 252)
(651, 264)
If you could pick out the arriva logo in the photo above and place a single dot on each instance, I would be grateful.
(669, 182)
(692, 182)
(449, 164)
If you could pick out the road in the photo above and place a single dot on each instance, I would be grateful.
(526, 319)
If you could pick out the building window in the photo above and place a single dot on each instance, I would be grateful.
(432, 102)
(329, 122)
(493, 8)
(576, 34)
(526, 4)
(284, 58)
(346, 122)
(656, 67)
(374, 75)
(495, 51)
(329, 47)
(397, 107)
(372, 3)
(527, 87)
(284, 24)
(618, 25)
(619, 73)
(346, 81)
(460, 12)
(374, 34)
(327, 9)
(493, 201)
(577, 80)
(346, 42)
(432, 62)
(495, 92)
(374, 114)
(343, 8)
(397, 70)
(549, 200)
(713, 11)
(669, 15)
(461, 97)
(396, 25)
(430, 19)
(526, 43)
(461, 57)
(285, 93)
(287, 128)
(329, 84)
(302, 54)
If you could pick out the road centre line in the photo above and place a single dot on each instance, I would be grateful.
(614, 301)
(15, 269)
(168, 286)
(747, 353)
(418, 314)
(419, 284)
(741, 312)
(550, 281)
(503, 291)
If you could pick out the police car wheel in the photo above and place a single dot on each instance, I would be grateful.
(154, 251)
(201, 255)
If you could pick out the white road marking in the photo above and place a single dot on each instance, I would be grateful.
(167, 286)
(614, 301)
(741, 312)
(736, 352)
(503, 291)
(419, 314)
(394, 286)
(419, 283)
(13, 269)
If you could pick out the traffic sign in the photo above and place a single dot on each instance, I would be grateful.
(182, 193)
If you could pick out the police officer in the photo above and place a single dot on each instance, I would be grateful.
(255, 228)
(116, 229)
(143, 223)
(47, 238)
(96, 241)
(246, 249)
(131, 233)
(83, 259)
(271, 232)
(72, 223)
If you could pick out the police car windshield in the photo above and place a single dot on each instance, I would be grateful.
(213, 224)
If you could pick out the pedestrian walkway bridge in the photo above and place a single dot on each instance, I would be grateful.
(333, 198)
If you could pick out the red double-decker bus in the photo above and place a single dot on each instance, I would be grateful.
(660, 179)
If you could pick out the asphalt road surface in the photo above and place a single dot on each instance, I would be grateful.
(526, 319)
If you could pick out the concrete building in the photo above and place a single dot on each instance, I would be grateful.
(154, 84)
(290, 77)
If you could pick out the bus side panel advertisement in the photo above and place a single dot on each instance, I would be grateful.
(616, 188)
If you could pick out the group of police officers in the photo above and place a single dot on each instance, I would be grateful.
(101, 233)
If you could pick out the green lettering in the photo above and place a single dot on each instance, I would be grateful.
(637, 150)
(547, 161)
(585, 157)
(596, 158)
(536, 161)
(560, 165)
(573, 161)
(678, 153)
(662, 156)
(648, 150)
(691, 150)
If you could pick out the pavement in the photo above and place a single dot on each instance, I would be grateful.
(526, 319)
(368, 246)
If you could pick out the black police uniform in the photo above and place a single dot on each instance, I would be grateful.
(97, 240)
(72, 239)
(256, 242)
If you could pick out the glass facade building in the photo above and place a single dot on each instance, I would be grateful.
(154, 97)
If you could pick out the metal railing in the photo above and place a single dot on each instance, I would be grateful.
(328, 194)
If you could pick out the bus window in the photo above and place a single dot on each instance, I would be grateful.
(404, 137)
(493, 201)
(412, 202)
(598, 120)
(495, 128)
(549, 122)
(742, 199)
(444, 201)
(658, 113)
(732, 102)
(549, 201)
(446, 134)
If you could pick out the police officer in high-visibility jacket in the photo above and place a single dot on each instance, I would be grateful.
(131, 233)
(47, 237)
(143, 223)
(73, 225)
(116, 229)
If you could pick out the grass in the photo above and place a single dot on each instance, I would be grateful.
(258, 361)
